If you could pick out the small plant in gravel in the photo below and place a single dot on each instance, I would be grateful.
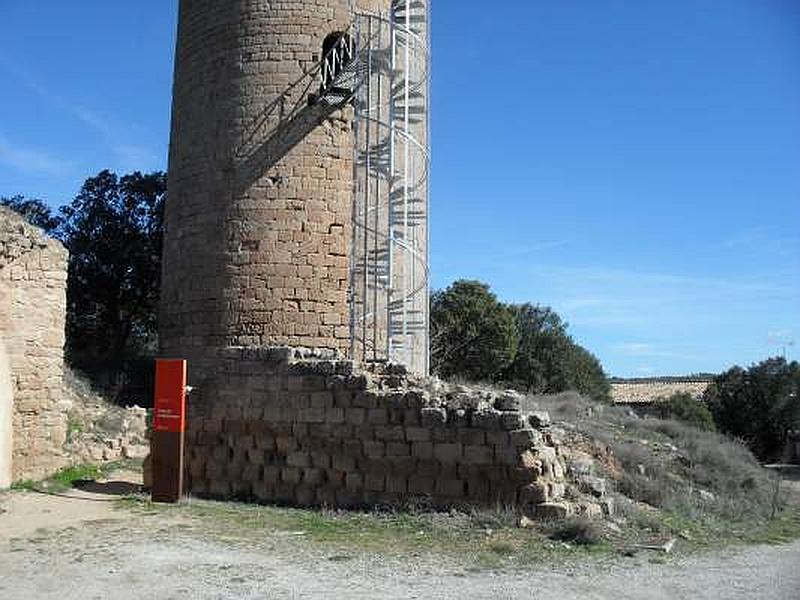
(575, 530)
(75, 427)
(70, 477)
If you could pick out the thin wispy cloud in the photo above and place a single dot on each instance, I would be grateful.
(526, 250)
(128, 156)
(641, 300)
(761, 239)
(133, 158)
(30, 160)
(779, 336)
(500, 256)
(648, 350)
(641, 279)
(91, 119)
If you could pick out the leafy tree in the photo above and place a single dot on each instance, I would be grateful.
(35, 211)
(113, 231)
(548, 360)
(682, 406)
(760, 405)
(585, 374)
(472, 334)
(543, 350)
(476, 337)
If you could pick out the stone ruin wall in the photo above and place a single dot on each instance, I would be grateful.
(33, 276)
(302, 428)
(6, 405)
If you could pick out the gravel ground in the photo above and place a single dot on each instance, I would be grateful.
(83, 548)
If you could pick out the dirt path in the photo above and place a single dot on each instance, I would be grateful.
(84, 547)
(22, 515)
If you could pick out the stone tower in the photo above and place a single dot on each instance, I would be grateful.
(258, 217)
(297, 204)
(297, 216)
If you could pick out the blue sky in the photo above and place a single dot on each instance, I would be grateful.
(635, 165)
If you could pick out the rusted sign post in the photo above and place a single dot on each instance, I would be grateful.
(169, 424)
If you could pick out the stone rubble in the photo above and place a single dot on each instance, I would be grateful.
(99, 431)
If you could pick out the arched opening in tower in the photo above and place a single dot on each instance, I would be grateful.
(337, 53)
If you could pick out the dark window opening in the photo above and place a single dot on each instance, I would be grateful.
(337, 53)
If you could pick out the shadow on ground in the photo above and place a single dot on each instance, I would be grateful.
(108, 488)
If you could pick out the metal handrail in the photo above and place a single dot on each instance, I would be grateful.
(338, 57)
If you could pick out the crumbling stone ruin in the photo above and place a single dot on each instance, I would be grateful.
(33, 275)
(303, 427)
(49, 417)
(99, 431)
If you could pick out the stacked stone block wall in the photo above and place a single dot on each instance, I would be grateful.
(276, 425)
(33, 275)
(6, 407)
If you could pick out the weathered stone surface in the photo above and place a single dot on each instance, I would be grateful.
(486, 419)
(589, 510)
(447, 453)
(596, 486)
(278, 455)
(509, 400)
(478, 455)
(33, 274)
(524, 437)
(534, 493)
(552, 510)
(608, 506)
(432, 417)
(6, 407)
(418, 485)
(258, 218)
(511, 420)
(539, 419)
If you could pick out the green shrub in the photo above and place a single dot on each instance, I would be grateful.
(759, 405)
(576, 530)
(682, 407)
(475, 337)
(75, 427)
(472, 333)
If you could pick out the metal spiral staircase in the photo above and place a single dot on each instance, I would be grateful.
(380, 65)
(389, 261)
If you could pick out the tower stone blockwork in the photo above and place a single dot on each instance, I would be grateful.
(258, 216)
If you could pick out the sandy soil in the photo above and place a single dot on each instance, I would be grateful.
(82, 546)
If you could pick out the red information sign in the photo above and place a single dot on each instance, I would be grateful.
(169, 412)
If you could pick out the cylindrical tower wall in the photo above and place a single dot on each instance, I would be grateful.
(258, 214)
